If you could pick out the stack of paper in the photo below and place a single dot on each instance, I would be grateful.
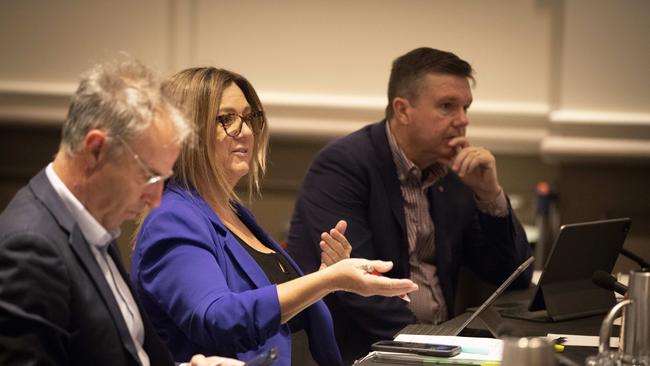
(472, 348)
(412, 359)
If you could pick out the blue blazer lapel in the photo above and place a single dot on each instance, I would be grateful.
(249, 221)
(241, 257)
(248, 265)
(322, 341)
(319, 326)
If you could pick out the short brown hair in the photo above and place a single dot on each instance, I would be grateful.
(409, 69)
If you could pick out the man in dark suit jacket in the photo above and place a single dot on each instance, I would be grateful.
(64, 297)
(413, 191)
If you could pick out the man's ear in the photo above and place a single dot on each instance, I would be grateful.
(400, 110)
(95, 146)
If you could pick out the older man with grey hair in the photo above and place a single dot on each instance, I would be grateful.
(64, 297)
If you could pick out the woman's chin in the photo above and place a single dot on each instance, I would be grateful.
(239, 171)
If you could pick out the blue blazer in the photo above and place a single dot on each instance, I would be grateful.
(354, 178)
(56, 307)
(206, 294)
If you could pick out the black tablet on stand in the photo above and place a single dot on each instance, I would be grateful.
(565, 289)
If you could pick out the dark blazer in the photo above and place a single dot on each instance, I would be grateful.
(206, 294)
(55, 305)
(354, 178)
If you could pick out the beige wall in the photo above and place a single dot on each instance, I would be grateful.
(562, 90)
(564, 78)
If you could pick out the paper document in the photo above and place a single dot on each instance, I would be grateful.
(413, 359)
(581, 340)
(472, 348)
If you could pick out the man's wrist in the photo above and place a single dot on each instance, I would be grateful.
(497, 207)
(488, 195)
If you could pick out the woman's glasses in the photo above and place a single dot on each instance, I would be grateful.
(232, 123)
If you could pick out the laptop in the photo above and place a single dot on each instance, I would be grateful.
(565, 289)
(488, 316)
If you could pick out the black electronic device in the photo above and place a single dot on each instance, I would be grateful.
(426, 349)
(565, 289)
(490, 318)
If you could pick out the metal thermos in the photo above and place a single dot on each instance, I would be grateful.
(634, 345)
(636, 332)
(534, 351)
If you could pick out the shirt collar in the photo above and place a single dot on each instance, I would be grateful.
(407, 170)
(91, 229)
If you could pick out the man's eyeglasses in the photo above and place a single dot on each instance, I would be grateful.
(232, 123)
(152, 177)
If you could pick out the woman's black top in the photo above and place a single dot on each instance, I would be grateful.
(278, 270)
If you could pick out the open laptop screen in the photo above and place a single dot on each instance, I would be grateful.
(450, 327)
(522, 267)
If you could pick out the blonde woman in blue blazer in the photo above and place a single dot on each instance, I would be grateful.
(210, 278)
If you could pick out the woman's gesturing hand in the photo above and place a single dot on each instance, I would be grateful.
(354, 275)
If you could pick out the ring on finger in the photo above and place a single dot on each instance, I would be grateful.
(368, 268)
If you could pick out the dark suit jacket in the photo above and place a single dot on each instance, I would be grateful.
(55, 305)
(354, 178)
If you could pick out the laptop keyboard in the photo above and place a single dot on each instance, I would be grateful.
(429, 329)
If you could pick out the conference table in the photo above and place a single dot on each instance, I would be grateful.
(526, 328)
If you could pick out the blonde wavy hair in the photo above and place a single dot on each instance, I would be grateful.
(198, 91)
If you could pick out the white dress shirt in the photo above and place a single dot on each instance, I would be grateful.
(99, 239)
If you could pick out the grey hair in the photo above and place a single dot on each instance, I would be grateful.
(121, 98)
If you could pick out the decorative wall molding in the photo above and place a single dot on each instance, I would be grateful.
(577, 149)
(597, 136)
(34, 103)
(503, 127)
(599, 117)
(28, 88)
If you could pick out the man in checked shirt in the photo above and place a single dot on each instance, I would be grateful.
(414, 191)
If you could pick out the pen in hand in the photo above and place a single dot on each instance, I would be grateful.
(371, 270)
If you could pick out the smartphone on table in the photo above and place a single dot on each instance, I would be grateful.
(426, 349)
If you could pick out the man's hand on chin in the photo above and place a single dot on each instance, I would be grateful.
(476, 167)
